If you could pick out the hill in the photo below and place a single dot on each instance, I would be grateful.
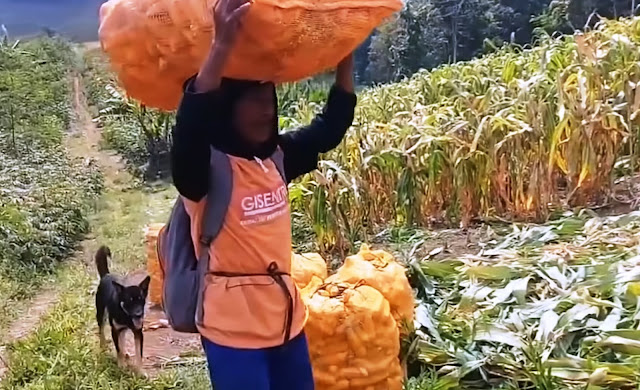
(77, 19)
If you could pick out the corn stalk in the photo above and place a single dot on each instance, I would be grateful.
(518, 134)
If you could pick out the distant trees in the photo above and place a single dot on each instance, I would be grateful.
(428, 33)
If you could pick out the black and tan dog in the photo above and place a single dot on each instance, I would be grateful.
(125, 306)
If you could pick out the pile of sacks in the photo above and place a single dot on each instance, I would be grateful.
(355, 318)
(355, 315)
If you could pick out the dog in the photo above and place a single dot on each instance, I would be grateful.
(125, 306)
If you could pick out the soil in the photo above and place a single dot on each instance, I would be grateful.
(26, 323)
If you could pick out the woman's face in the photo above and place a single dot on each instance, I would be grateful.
(253, 114)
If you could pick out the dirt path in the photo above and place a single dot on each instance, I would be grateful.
(84, 141)
(41, 304)
(26, 323)
(162, 345)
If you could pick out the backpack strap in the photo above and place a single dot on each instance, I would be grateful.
(278, 158)
(216, 207)
(218, 200)
(219, 195)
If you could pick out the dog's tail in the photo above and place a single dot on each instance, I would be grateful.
(102, 260)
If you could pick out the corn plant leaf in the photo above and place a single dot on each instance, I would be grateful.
(548, 323)
(498, 334)
(613, 319)
(516, 288)
(621, 344)
(424, 318)
(490, 273)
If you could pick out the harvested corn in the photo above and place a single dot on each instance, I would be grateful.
(152, 40)
(379, 270)
(305, 266)
(307, 291)
(353, 339)
(153, 265)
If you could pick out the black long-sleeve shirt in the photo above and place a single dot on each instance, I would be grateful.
(199, 115)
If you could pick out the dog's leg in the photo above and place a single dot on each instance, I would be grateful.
(100, 316)
(117, 334)
(137, 334)
(123, 345)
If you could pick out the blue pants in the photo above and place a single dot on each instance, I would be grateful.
(286, 367)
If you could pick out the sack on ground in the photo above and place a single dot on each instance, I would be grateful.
(305, 266)
(153, 263)
(381, 271)
(353, 339)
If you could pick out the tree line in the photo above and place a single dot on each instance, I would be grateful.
(429, 33)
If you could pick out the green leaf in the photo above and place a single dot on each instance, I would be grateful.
(621, 344)
(490, 273)
(498, 334)
(440, 269)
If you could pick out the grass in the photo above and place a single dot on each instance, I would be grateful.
(120, 223)
(44, 195)
(64, 353)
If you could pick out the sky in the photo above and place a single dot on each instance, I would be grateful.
(76, 18)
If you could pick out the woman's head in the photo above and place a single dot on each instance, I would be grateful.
(252, 110)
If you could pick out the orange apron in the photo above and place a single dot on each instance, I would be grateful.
(250, 301)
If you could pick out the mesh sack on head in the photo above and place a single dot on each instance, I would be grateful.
(155, 45)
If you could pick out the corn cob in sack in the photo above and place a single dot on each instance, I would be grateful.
(305, 266)
(381, 271)
(353, 339)
(153, 264)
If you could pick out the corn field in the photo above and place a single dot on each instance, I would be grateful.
(545, 307)
(516, 134)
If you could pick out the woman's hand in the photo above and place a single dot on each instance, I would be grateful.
(344, 74)
(227, 18)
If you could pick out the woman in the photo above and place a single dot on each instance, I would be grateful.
(248, 293)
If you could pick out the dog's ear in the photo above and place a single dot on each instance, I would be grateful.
(119, 288)
(144, 285)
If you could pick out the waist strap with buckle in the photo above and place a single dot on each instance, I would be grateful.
(277, 276)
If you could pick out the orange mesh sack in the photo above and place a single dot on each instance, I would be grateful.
(153, 265)
(155, 45)
(353, 339)
(314, 285)
(379, 270)
(304, 267)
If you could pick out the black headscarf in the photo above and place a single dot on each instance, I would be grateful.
(226, 138)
